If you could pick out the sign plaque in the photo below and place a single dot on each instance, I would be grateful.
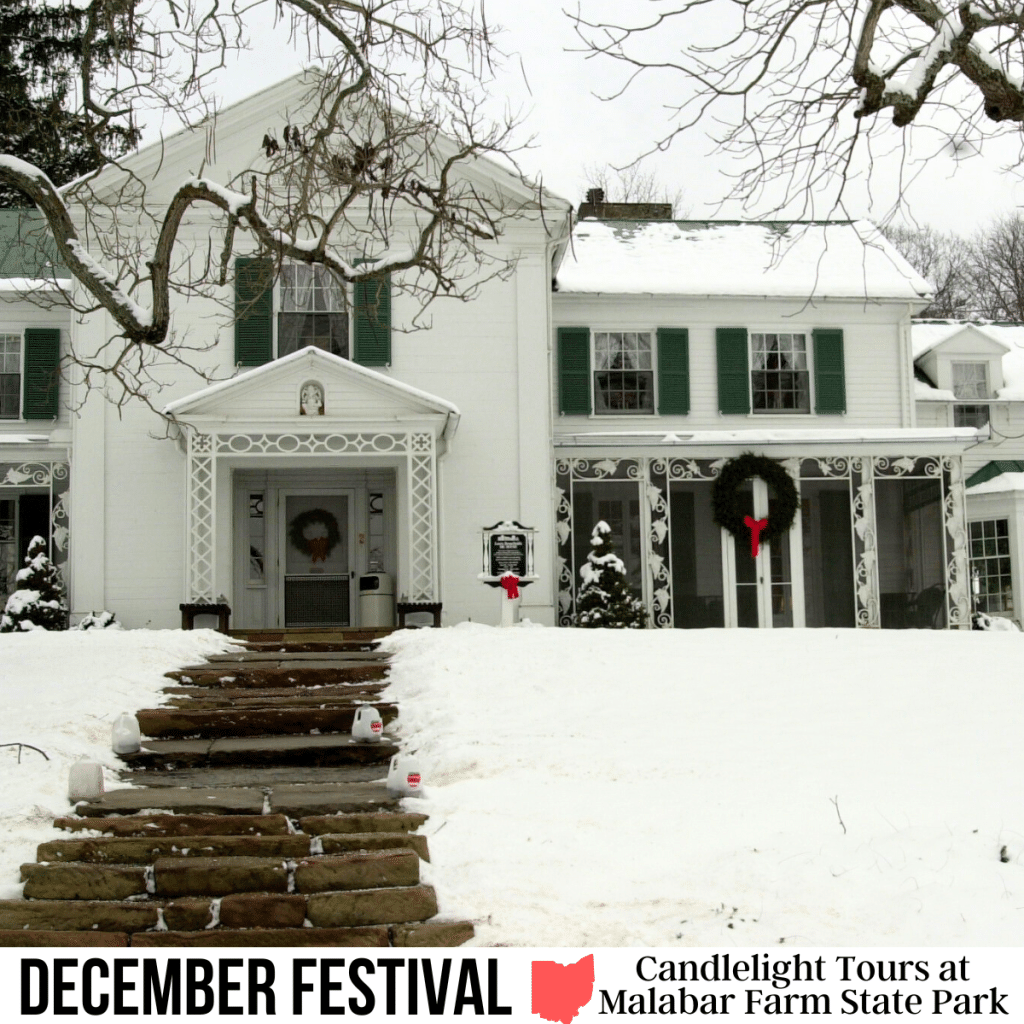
(507, 548)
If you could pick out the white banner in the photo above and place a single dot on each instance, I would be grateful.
(556, 985)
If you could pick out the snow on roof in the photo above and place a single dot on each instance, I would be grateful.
(999, 484)
(840, 259)
(926, 336)
(821, 435)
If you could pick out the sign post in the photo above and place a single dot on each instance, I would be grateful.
(508, 563)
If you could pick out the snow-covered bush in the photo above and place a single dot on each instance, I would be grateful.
(994, 623)
(606, 599)
(38, 603)
(100, 620)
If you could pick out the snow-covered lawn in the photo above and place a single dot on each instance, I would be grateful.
(605, 788)
(62, 693)
(714, 788)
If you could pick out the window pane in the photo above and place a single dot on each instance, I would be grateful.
(970, 380)
(623, 372)
(780, 380)
(328, 331)
(991, 566)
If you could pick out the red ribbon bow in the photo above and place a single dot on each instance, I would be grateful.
(755, 526)
(511, 584)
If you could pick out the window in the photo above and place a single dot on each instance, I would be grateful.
(990, 566)
(970, 415)
(313, 311)
(970, 381)
(10, 376)
(623, 372)
(779, 377)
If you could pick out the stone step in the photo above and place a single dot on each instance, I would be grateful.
(293, 800)
(87, 915)
(382, 821)
(217, 700)
(85, 938)
(326, 937)
(305, 675)
(256, 778)
(253, 751)
(312, 646)
(365, 692)
(219, 876)
(322, 659)
(371, 906)
(159, 825)
(265, 721)
(312, 634)
(148, 849)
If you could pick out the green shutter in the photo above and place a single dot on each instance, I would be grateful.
(574, 371)
(371, 322)
(829, 372)
(733, 371)
(42, 373)
(673, 371)
(254, 311)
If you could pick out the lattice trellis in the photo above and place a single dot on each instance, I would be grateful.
(422, 519)
(201, 507)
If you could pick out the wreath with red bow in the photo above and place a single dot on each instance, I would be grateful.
(318, 548)
(729, 509)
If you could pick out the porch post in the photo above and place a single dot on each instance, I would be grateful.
(201, 507)
(865, 543)
(954, 505)
(422, 466)
(656, 555)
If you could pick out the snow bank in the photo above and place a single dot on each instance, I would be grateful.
(717, 788)
(62, 693)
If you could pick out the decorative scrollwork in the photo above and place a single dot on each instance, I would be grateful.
(606, 469)
(695, 469)
(833, 467)
(905, 465)
(958, 604)
(28, 474)
(865, 545)
(313, 443)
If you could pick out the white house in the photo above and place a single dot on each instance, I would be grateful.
(972, 374)
(614, 374)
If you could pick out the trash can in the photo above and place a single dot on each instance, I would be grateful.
(376, 600)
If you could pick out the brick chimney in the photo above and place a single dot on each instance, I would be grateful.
(596, 207)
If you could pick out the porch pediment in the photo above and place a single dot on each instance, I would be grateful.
(315, 390)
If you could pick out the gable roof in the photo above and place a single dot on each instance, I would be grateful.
(355, 395)
(245, 121)
(827, 259)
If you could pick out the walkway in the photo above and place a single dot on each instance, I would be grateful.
(254, 818)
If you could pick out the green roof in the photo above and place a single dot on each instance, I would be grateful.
(26, 247)
(994, 469)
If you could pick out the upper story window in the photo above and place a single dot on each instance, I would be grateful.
(623, 372)
(10, 376)
(970, 381)
(313, 311)
(780, 380)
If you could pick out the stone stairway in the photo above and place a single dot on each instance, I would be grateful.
(254, 819)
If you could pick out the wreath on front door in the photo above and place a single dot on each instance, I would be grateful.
(728, 508)
(318, 548)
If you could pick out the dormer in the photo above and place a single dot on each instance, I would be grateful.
(965, 359)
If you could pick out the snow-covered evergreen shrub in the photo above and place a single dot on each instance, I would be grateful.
(606, 599)
(995, 623)
(38, 603)
(101, 620)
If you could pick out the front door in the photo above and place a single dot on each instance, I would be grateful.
(762, 588)
(316, 538)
